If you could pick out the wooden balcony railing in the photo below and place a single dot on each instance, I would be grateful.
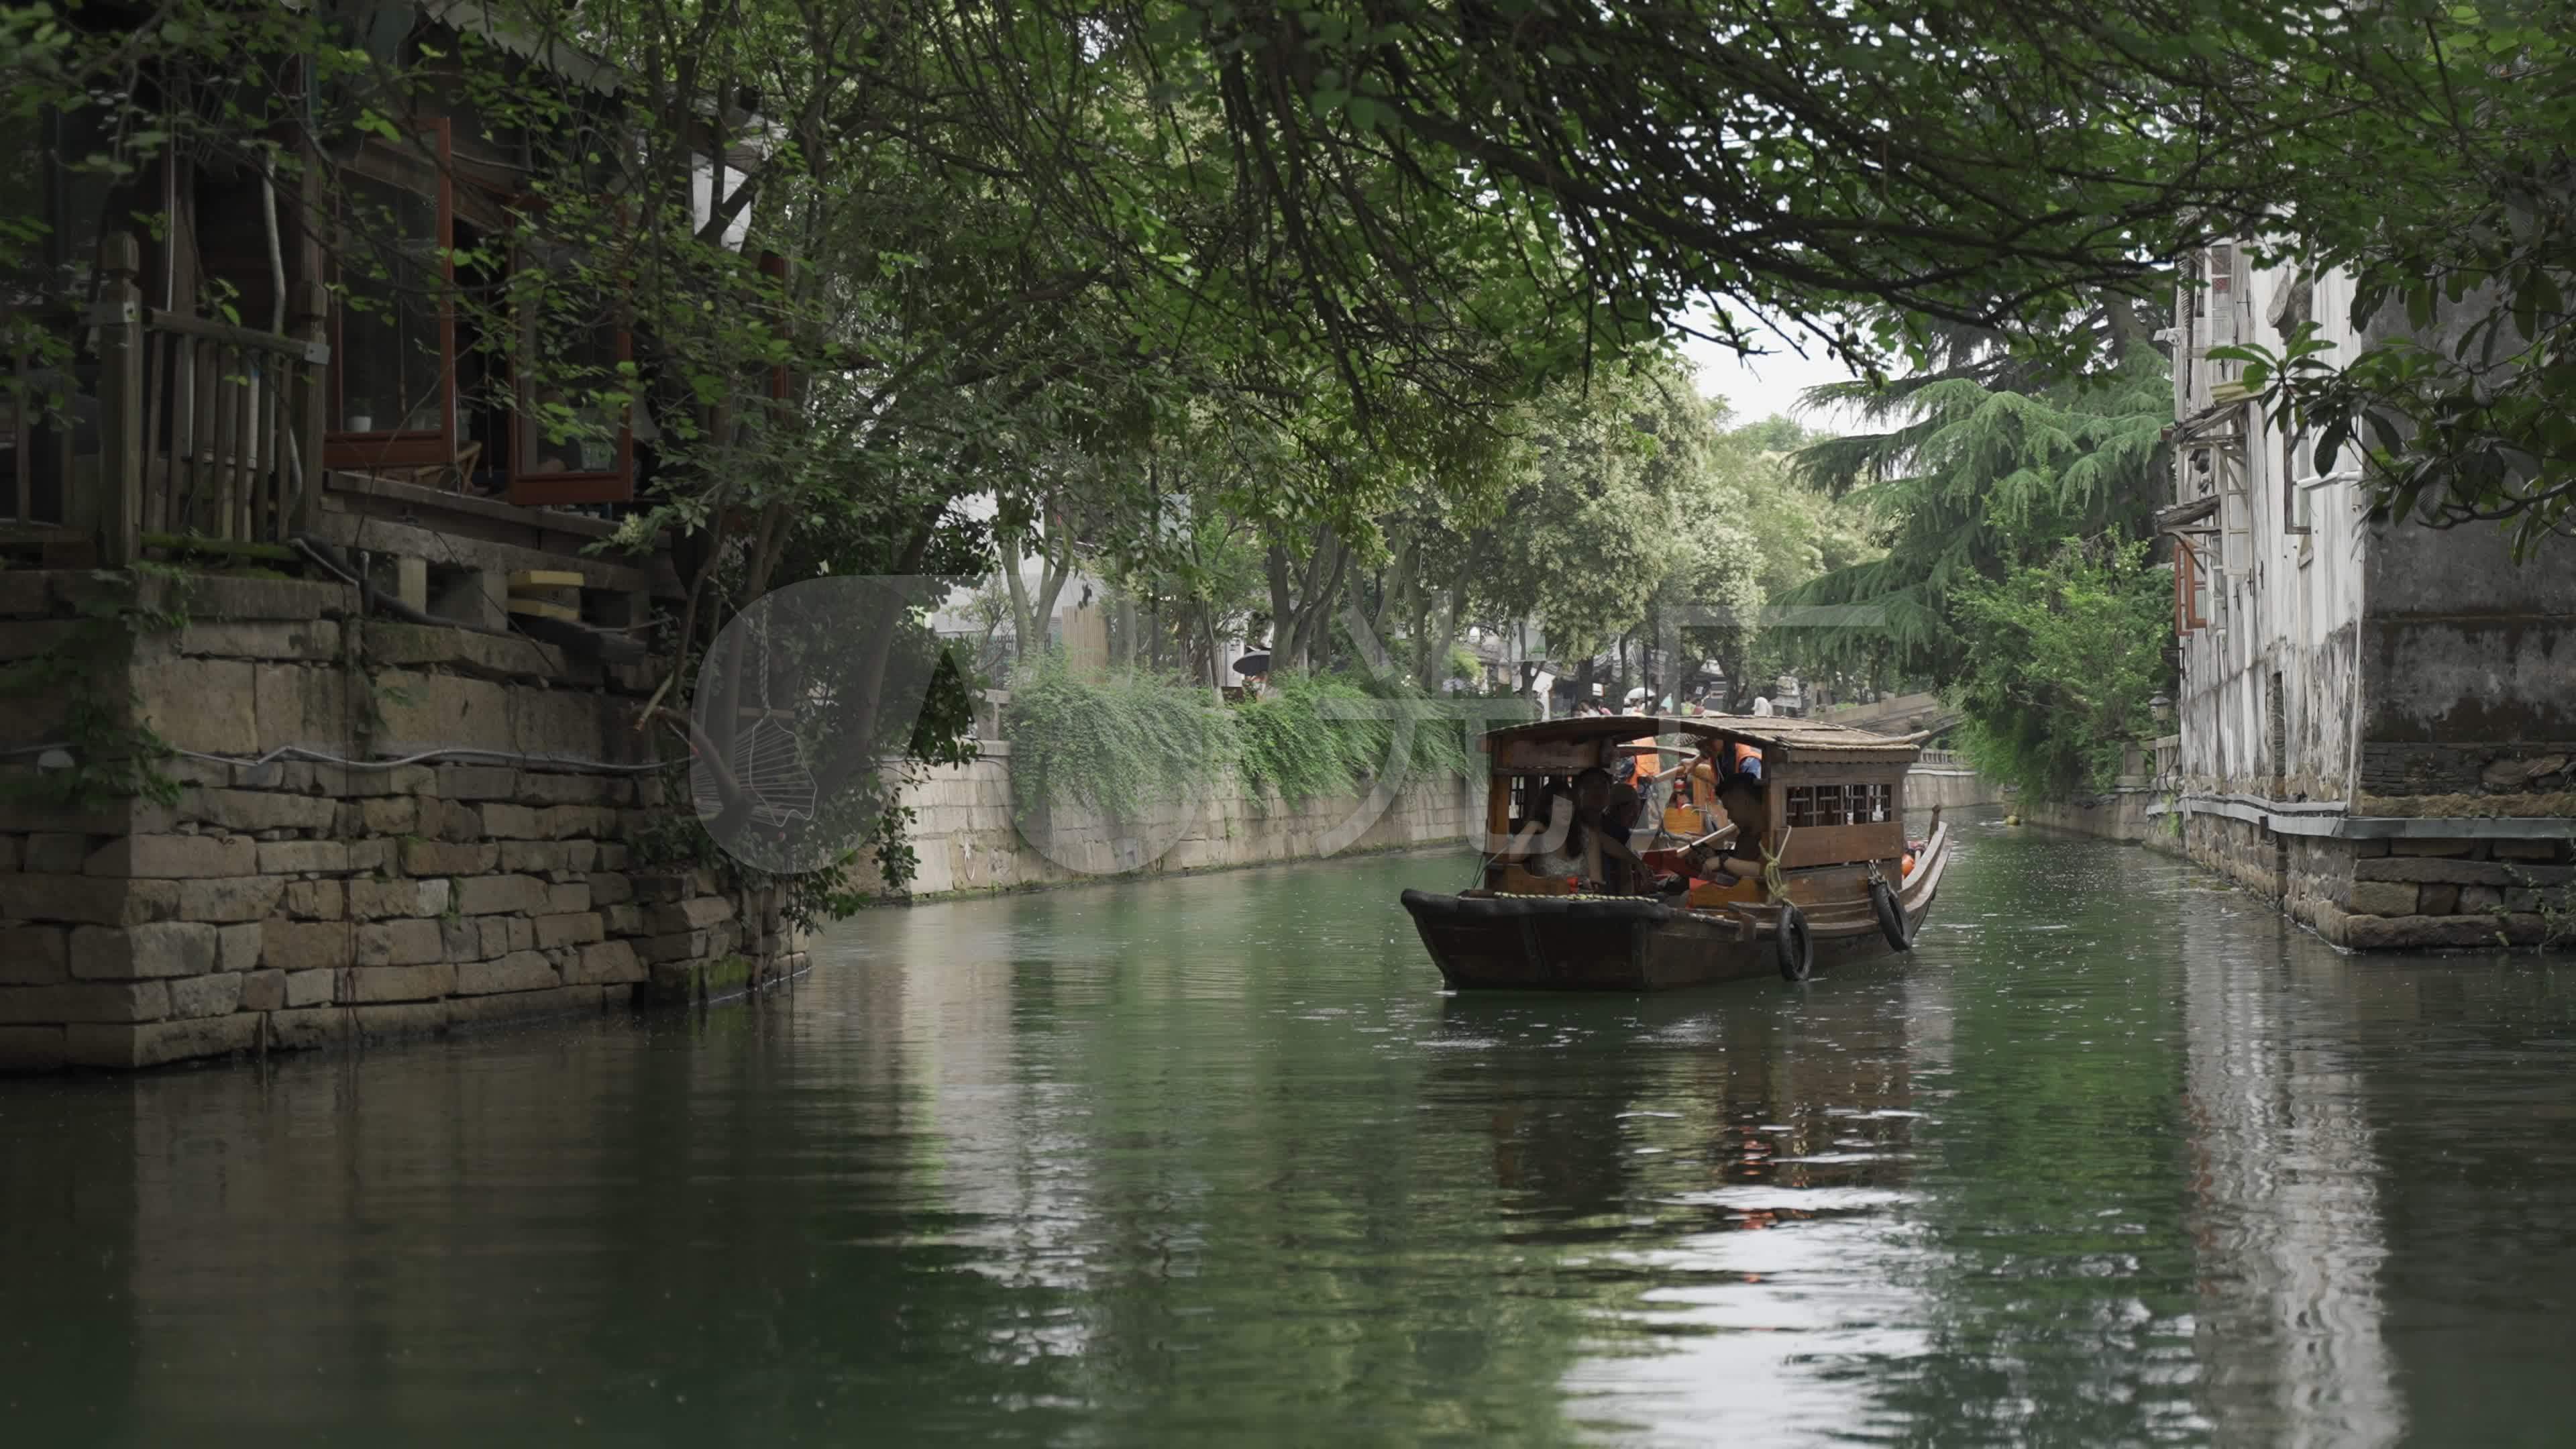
(172, 426)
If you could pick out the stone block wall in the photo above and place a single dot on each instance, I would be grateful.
(967, 838)
(1949, 787)
(2401, 893)
(282, 902)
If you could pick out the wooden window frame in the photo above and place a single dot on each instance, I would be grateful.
(546, 490)
(2188, 581)
(403, 447)
(2290, 489)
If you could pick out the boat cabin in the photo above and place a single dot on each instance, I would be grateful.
(1718, 805)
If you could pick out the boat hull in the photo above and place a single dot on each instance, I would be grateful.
(1590, 943)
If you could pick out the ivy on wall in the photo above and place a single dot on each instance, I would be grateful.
(114, 756)
(1123, 743)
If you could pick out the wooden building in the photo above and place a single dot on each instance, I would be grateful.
(333, 725)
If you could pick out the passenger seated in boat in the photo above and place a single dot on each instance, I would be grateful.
(1546, 840)
(1605, 812)
(1746, 803)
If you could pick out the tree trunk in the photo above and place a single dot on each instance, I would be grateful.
(1282, 608)
(1448, 627)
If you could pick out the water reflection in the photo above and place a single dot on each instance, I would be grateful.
(2285, 1199)
(2114, 1158)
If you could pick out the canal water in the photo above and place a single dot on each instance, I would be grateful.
(2115, 1158)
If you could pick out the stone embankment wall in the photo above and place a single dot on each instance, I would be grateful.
(281, 902)
(967, 837)
(2408, 892)
(2120, 815)
(1942, 779)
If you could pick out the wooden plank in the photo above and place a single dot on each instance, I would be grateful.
(222, 334)
(544, 579)
(202, 396)
(272, 397)
(1548, 757)
(310, 318)
(22, 436)
(1835, 771)
(120, 397)
(532, 520)
(538, 609)
(352, 530)
(1832, 844)
(180, 408)
(237, 459)
(1519, 882)
(156, 390)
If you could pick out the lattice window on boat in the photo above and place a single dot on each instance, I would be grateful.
(1855, 805)
(1882, 804)
(1802, 805)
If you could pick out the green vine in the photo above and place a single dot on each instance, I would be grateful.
(115, 757)
(1121, 743)
(675, 838)
(2556, 909)
(1118, 743)
(1334, 735)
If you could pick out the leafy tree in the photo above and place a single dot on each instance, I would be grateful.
(2444, 188)
(1983, 162)
(1974, 480)
(2057, 663)
(1797, 532)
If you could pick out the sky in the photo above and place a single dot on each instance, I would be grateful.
(1759, 387)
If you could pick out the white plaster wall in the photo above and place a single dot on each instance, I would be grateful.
(2277, 602)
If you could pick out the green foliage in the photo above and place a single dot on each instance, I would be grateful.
(1291, 743)
(1117, 743)
(1122, 743)
(1978, 477)
(1331, 734)
(114, 756)
(2443, 191)
(2059, 660)
(2556, 907)
(678, 839)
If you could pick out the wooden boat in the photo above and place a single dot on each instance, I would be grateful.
(1827, 874)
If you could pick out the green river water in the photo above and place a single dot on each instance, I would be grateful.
(2116, 1157)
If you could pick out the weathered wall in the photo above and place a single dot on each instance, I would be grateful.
(965, 834)
(1948, 786)
(2469, 676)
(2118, 815)
(2355, 672)
(2418, 671)
(2279, 603)
(287, 903)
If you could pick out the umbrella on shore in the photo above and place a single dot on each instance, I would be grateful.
(1252, 665)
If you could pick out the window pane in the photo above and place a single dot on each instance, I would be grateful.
(565, 429)
(391, 367)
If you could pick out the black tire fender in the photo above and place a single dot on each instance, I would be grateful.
(1891, 916)
(1792, 945)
